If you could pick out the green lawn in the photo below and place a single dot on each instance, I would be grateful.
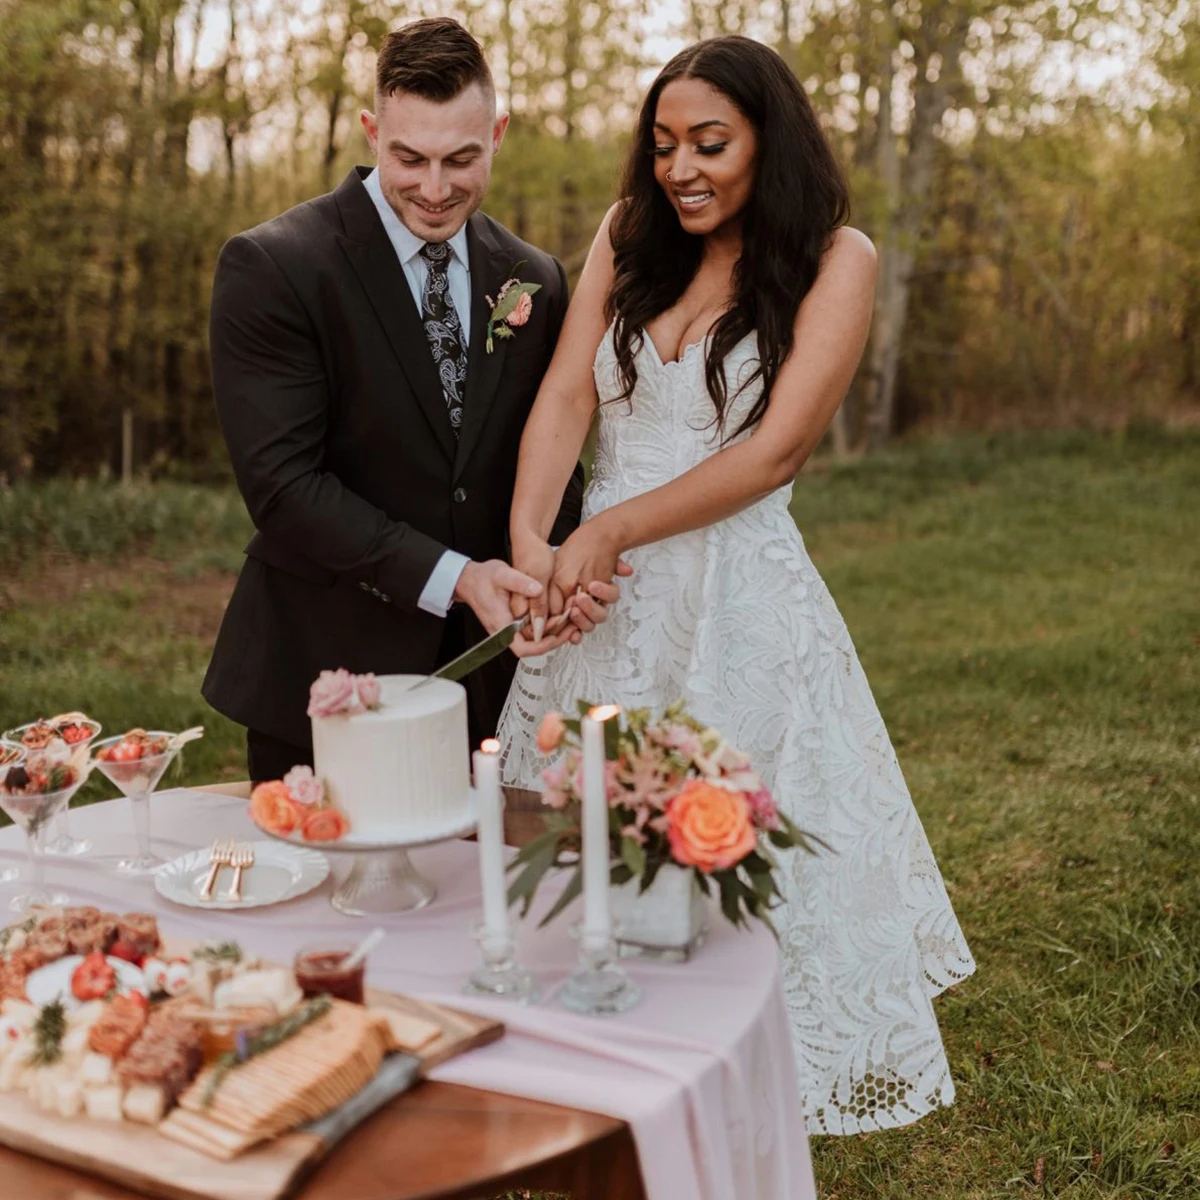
(1027, 610)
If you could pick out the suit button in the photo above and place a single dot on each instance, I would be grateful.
(459, 495)
(364, 585)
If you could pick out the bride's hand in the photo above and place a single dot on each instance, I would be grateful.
(590, 555)
(536, 558)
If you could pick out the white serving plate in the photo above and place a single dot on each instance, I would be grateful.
(280, 872)
(53, 981)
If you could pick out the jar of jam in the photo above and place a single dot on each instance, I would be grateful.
(320, 969)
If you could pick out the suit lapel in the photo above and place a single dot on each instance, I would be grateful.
(373, 258)
(490, 267)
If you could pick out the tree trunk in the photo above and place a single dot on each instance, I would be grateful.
(906, 190)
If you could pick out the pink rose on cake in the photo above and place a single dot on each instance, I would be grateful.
(338, 693)
(305, 788)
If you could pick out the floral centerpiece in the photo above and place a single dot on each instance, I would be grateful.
(681, 799)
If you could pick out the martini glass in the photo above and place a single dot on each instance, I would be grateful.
(137, 778)
(59, 841)
(11, 755)
(34, 813)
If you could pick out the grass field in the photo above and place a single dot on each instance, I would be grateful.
(1027, 610)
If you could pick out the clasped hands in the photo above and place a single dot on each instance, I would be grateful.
(565, 593)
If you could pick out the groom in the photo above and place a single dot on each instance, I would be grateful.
(373, 430)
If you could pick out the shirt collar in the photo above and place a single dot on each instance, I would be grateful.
(406, 243)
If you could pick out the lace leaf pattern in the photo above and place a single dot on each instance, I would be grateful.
(736, 620)
(443, 330)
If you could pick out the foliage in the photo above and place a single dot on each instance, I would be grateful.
(1040, 258)
(1024, 606)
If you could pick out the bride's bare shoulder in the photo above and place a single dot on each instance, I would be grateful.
(850, 250)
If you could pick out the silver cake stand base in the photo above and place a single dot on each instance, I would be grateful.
(382, 878)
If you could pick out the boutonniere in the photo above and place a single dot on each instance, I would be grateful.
(511, 308)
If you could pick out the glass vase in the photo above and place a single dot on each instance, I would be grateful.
(668, 921)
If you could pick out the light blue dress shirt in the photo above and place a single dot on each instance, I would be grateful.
(438, 593)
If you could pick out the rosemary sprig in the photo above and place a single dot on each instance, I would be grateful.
(265, 1039)
(218, 952)
(48, 1032)
(6, 934)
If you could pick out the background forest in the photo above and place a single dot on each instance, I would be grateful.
(1029, 171)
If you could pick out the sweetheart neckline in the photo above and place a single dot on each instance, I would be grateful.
(647, 340)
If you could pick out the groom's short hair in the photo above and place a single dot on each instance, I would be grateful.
(434, 59)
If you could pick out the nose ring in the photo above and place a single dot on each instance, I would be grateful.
(670, 177)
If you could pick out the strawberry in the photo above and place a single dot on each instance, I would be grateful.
(123, 752)
(122, 949)
(94, 978)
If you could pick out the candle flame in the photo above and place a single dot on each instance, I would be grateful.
(604, 712)
(490, 746)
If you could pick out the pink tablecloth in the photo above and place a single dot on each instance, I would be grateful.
(702, 1069)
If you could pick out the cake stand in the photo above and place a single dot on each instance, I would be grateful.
(382, 878)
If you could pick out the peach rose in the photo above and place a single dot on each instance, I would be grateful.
(709, 827)
(550, 732)
(325, 825)
(272, 807)
(520, 314)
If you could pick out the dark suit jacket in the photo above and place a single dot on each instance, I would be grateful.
(343, 451)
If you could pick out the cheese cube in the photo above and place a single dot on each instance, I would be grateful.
(68, 1098)
(103, 1103)
(144, 1102)
(95, 1070)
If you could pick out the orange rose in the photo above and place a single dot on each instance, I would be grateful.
(709, 827)
(550, 733)
(272, 807)
(325, 825)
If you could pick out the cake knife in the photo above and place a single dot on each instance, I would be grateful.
(483, 652)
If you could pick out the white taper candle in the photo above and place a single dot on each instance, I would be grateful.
(491, 839)
(596, 923)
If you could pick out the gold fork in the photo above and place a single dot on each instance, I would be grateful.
(243, 857)
(219, 857)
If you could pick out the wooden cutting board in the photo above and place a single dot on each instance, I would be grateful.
(137, 1157)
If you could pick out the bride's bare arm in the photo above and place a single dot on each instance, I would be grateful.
(566, 400)
(831, 332)
(558, 423)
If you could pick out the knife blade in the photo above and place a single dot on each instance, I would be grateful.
(477, 655)
(484, 651)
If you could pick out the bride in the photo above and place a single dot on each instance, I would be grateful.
(719, 319)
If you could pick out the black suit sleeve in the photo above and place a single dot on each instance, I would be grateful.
(272, 398)
(571, 511)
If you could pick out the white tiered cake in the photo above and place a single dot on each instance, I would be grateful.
(399, 771)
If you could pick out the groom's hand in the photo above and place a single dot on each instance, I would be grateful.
(489, 589)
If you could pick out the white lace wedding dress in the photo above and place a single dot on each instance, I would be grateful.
(735, 620)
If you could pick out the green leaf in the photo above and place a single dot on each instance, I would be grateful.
(525, 886)
(534, 848)
(731, 898)
(568, 894)
(634, 856)
(510, 300)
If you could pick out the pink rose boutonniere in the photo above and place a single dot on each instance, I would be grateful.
(511, 308)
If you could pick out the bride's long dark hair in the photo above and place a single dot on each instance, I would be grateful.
(799, 198)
